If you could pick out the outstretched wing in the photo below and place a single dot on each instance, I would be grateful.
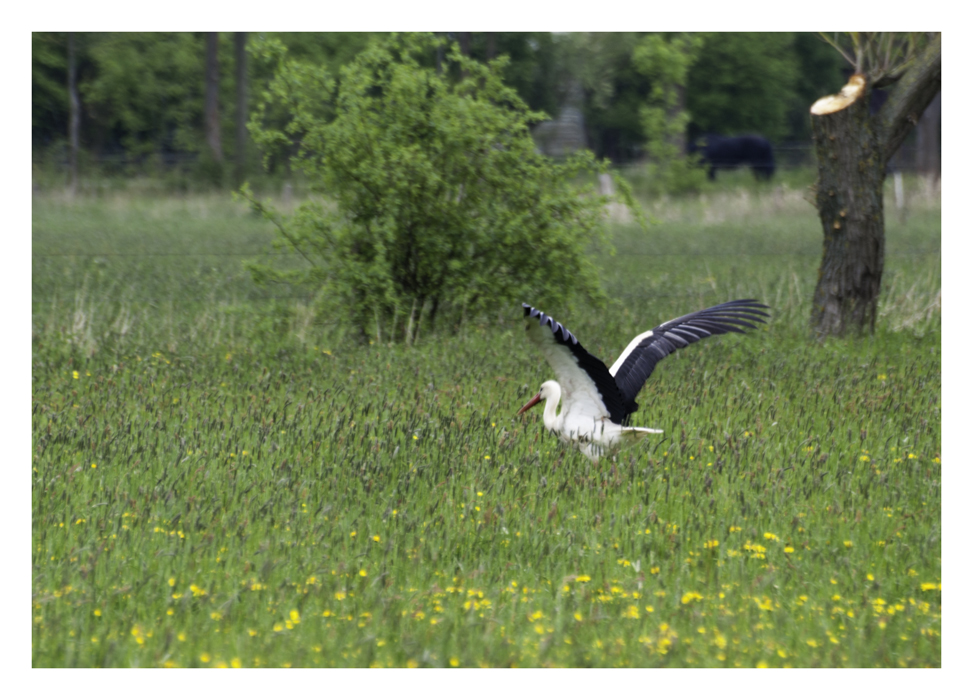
(636, 363)
(586, 383)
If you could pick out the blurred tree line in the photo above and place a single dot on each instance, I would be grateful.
(143, 96)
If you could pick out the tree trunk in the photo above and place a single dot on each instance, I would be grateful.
(853, 149)
(74, 106)
(211, 100)
(464, 48)
(930, 162)
(491, 47)
(851, 170)
(240, 159)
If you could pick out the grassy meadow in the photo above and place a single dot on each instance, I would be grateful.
(221, 479)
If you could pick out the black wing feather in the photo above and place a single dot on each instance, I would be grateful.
(728, 317)
(595, 368)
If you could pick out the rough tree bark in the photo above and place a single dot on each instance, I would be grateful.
(852, 149)
(211, 99)
(74, 123)
(240, 158)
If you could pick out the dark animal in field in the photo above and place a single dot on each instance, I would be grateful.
(729, 152)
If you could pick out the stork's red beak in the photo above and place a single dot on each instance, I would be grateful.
(533, 402)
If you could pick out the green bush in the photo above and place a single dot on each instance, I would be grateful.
(433, 204)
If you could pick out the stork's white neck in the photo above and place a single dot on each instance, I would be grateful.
(551, 419)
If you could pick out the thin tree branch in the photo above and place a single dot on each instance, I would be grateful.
(910, 96)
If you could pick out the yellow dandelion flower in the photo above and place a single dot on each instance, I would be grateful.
(453, 661)
(204, 657)
(584, 578)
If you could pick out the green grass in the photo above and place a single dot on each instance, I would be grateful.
(268, 494)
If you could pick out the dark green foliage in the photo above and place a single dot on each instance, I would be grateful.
(743, 82)
(49, 86)
(440, 207)
(819, 73)
(614, 92)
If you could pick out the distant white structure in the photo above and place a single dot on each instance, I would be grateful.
(565, 135)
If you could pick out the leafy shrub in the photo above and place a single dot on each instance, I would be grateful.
(433, 204)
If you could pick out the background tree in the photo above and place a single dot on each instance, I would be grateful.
(211, 113)
(819, 72)
(928, 142)
(666, 61)
(74, 125)
(742, 82)
(442, 208)
(50, 105)
(853, 148)
(144, 93)
(242, 113)
(614, 91)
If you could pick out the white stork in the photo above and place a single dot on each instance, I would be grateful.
(596, 401)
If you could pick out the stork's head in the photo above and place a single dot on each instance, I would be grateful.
(549, 389)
